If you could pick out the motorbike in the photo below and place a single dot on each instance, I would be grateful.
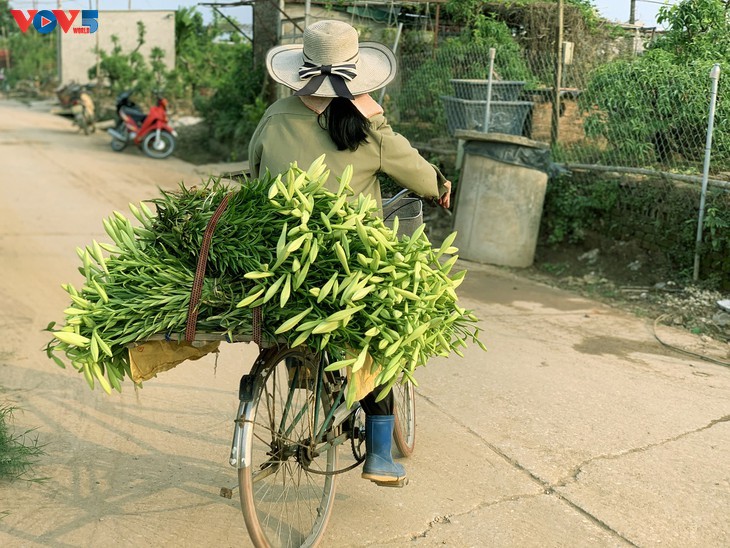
(82, 107)
(77, 98)
(152, 131)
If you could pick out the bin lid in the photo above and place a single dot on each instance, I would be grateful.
(471, 135)
(508, 149)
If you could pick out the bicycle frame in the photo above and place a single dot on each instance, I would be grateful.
(252, 384)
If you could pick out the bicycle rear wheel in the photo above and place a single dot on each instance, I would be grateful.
(285, 501)
(404, 432)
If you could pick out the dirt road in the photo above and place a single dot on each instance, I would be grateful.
(576, 428)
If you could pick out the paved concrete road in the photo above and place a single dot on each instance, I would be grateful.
(576, 428)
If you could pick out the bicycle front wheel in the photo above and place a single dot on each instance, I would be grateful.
(404, 432)
(286, 498)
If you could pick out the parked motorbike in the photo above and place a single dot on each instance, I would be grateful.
(82, 107)
(152, 131)
(77, 99)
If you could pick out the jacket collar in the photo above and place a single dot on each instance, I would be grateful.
(367, 106)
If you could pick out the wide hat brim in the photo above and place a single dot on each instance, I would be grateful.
(376, 68)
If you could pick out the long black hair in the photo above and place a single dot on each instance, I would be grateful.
(346, 125)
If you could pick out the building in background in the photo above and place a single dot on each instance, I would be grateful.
(77, 52)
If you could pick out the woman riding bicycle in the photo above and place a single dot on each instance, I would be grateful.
(331, 112)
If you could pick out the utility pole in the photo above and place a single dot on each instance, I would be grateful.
(59, 58)
(98, 58)
(266, 27)
(632, 13)
(555, 126)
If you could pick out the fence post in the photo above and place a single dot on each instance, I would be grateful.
(490, 79)
(555, 126)
(715, 77)
(395, 51)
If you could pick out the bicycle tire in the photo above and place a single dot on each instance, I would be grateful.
(284, 504)
(404, 431)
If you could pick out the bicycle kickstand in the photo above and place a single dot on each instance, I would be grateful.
(227, 492)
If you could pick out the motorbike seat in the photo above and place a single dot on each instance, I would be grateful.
(136, 114)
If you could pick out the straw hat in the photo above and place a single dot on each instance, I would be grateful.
(331, 62)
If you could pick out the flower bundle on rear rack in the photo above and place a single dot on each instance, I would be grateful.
(322, 266)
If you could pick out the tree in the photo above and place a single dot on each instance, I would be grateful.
(32, 54)
(654, 108)
(696, 29)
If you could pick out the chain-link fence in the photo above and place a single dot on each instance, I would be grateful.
(616, 109)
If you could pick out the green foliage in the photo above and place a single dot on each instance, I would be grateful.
(215, 68)
(656, 214)
(570, 211)
(17, 451)
(7, 23)
(213, 72)
(131, 70)
(654, 108)
(697, 29)
(236, 107)
(716, 241)
(32, 54)
(466, 11)
(204, 54)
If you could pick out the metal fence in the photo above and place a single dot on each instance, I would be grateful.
(615, 113)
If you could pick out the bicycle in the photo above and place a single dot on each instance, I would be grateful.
(291, 420)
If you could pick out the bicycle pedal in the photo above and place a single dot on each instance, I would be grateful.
(398, 483)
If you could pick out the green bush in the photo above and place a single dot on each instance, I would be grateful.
(236, 107)
(670, 129)
(33, 55)
(654, 109)
(18, 452)
(130, 70)
(215, 68)
(33, 58)
(659, 215)
(572, 209)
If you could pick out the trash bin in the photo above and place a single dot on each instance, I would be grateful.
(500, 197)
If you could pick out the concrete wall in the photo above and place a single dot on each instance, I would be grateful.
(77, 50)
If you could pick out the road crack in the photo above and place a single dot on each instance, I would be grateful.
(573, 476)
(449, 518)
(546, 486)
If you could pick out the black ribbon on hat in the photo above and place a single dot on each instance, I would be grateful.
(337, 74)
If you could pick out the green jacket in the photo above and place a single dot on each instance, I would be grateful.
(289, 132)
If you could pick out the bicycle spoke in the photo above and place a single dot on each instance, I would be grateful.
(285, 500)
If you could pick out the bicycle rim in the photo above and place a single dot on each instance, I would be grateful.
(404, 432)
(283, 502)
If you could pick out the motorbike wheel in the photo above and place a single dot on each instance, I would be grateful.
(158, 148)
(80, 120)
(117, 144)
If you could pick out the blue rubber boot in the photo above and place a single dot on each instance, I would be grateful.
(379, 466)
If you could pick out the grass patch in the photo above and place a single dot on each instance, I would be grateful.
(18, 451)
